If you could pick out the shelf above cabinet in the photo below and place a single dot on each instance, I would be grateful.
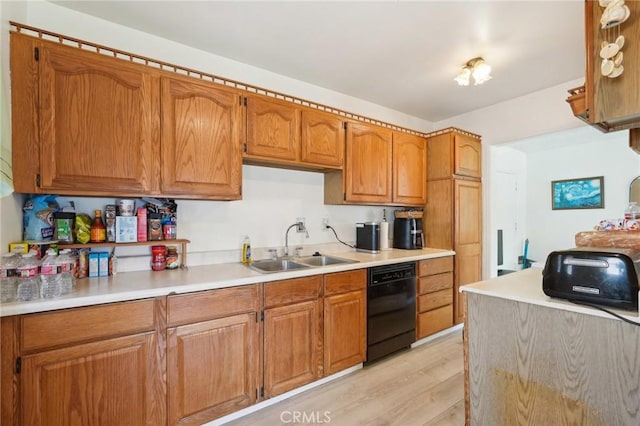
(177, 242)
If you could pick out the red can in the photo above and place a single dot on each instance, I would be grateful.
(158, 258)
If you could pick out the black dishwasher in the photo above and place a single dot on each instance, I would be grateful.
(391, 309)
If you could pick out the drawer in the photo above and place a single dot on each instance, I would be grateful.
(427, 302)
(435, 266)
(212, 304)
(435, 282)
(433, 321)
(69, 326)
(295, 290)
(343, 282)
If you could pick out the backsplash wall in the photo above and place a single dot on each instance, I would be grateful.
(272, 200)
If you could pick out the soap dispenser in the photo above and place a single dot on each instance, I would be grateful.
(246, 249)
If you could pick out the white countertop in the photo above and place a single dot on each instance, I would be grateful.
(144, 284)
(526, 286)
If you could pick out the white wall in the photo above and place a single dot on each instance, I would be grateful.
(578, 153)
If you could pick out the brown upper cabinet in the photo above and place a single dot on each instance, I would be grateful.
(368, 172)
(273, 129)
(453, 153)
(87, 124)
(609, 104)
(409, 169)
(82, 123)
(201, 127)
(281, 133)
(381, 167)
(322, 139)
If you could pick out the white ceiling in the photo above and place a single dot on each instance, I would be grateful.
(402, 55)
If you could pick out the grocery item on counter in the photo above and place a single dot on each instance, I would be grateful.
(632, 212)
(39, 248)
(83, 228)
(50, 276)
(169, 231)
(158, 258)
(83, 263)
(67, 264)
(113, 264)
(94, 265)
(103, 264)
(37, 218)
(126, 207)
(64, 227)
(142, 224)
(154, 222)
(110, 222)
(126, 229)
(98, 230)
(9, 277)
(246, 249)
(28, 279)
(173, 260)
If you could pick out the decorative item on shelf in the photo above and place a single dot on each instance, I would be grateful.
(615, 13)
(476, 67)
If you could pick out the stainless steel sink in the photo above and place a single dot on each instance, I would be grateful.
(276, 265)
(324, 260)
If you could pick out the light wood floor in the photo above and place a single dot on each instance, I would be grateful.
(421, 386)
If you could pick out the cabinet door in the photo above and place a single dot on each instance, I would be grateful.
(437, 224)
(468, 156)
(273, 129)
(99, 124)
(468, 238)
(322, 139)
(368, 170)
(212, 368)
(108, 382)
(292, 346)
(345, 343)
(409, 169)
(201, 147)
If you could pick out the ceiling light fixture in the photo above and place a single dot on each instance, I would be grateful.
(476, 67)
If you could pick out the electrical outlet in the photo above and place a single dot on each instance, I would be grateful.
(325, 223)
(303, 228)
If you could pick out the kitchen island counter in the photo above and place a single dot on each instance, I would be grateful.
(144, 284)
(531, 359)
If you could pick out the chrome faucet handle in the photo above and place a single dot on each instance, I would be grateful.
(273, 253)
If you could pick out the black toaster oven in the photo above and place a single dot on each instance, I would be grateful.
(601, 276)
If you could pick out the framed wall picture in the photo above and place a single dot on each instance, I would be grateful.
(582, 193)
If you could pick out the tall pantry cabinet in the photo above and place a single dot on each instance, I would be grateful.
(454, 206)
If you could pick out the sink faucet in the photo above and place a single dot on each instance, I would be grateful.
(299, 228)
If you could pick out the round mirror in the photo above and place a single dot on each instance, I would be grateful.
(634, 190)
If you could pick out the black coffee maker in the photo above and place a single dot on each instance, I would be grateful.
(407, 230)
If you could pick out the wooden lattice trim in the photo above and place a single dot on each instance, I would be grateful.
(452, 130)
(165, 66)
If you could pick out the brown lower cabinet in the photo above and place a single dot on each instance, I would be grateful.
(206, 354)
(435, 296)
(345, 317)
(292, 334)
(212, 353)
(96, 366)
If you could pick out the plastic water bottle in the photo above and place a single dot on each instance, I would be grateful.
(50, 276)
(9, 277)
(66, 262)
(28, 279)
